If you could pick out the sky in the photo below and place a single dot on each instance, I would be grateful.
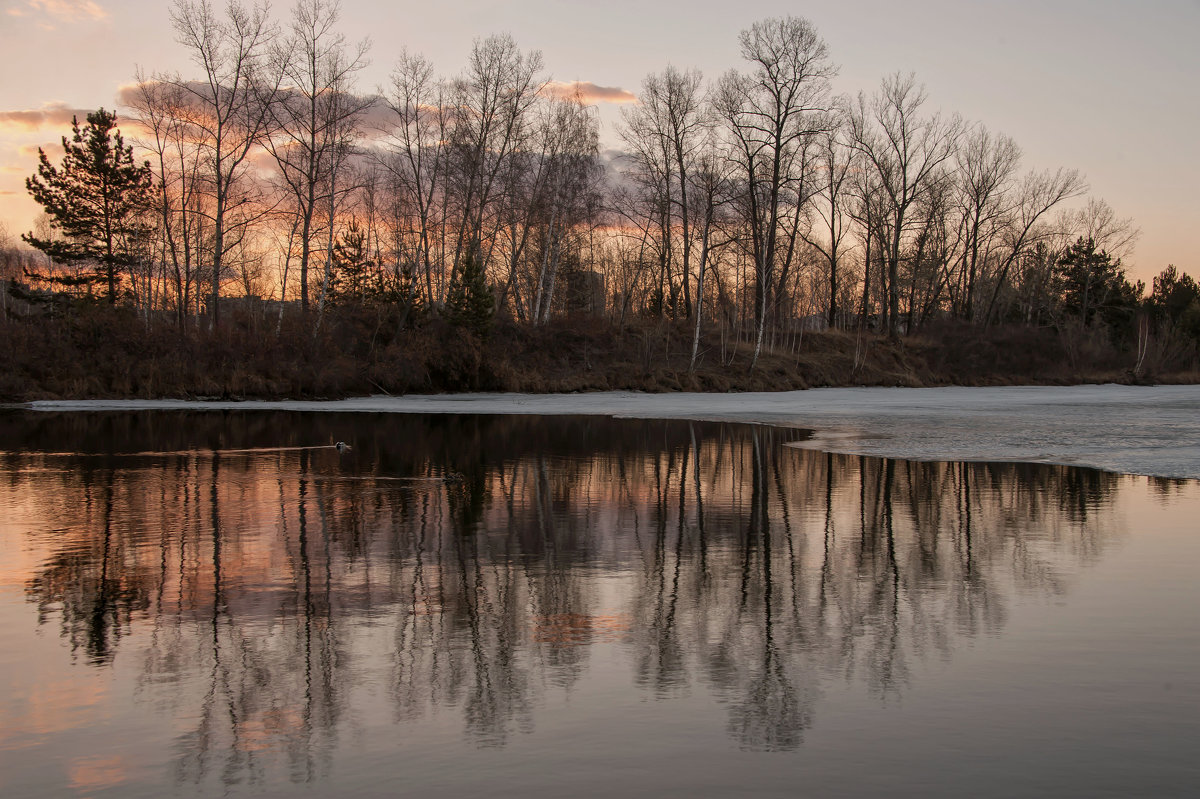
(1108, 87)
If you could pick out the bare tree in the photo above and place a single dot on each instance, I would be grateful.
(227, 109)
(711, 187)
(1099, 222)
(906, 152)
(162, 109)
(835, 162)
(1038, 194)
(773, 114)
(646, 199)
(415, 158)
(526, 210)
(986, 166)
(665, 129)
(569, 136)
(314, 114)
(491, 103)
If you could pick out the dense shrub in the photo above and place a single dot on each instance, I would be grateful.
(94, 351)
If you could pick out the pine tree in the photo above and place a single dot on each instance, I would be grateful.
(97, 200)
(1174, 293)
(1093, 285)
(355, 278)
(470, 303)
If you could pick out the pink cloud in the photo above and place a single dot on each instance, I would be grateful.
(49, 115)
(65, 10)
(589, 92)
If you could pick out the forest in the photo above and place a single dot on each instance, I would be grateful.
(265, 226)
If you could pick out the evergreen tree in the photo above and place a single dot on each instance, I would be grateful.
(355, 278)
(98, 200)
(1175, 302)
(1093, 285)
(470, 303)
(1174, 293)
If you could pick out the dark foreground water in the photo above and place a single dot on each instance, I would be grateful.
(222, 602)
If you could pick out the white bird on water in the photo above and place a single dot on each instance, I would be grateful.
(341, 446)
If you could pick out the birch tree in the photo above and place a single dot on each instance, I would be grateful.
(314, 114)
(569, 144)
(228, 110)
(162, 110)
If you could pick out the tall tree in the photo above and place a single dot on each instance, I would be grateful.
(162, 112)
(414, 156)
(774, 112)
(491, 102)
(709, 179)
(98, 200)
(228, 115)
(665, 130)
(568, 139)
(986, 164)
(905, 150)
(1022, 228)
(315, 114)
(836, 161)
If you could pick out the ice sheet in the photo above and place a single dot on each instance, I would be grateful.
(1151, 430)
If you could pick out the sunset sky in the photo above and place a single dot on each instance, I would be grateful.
(1105, 86)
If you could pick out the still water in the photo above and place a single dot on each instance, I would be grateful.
(224, 603)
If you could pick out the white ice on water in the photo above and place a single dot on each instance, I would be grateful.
(1132, 429)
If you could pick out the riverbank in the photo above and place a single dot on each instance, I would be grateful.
(103, 354)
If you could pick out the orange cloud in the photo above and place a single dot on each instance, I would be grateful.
(49, 115)
(30, 151)
(589, 92)
(65, 10)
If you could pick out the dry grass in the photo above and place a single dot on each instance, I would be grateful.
(104, 353)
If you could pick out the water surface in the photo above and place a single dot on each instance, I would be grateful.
(222, 602)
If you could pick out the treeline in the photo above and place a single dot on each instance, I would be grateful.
(752, 207)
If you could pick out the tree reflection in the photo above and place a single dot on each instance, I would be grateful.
(473, 564)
